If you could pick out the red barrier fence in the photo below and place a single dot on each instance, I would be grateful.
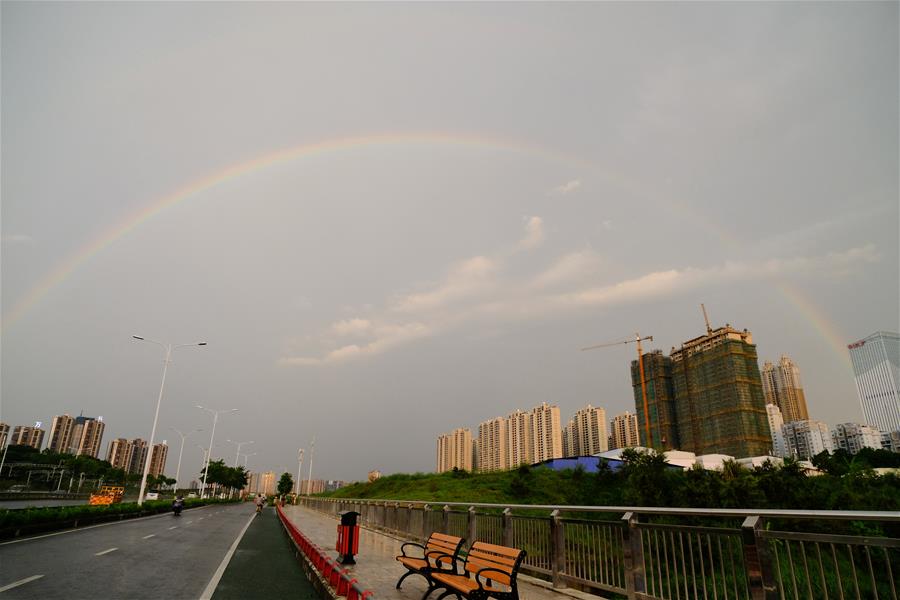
(341, 580)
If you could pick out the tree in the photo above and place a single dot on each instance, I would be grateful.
(285, 484)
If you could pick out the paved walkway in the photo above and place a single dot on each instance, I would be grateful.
(377, 570)
(264, 566)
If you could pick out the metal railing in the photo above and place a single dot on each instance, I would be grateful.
(668, 553)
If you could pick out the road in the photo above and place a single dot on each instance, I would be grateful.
(153, 557)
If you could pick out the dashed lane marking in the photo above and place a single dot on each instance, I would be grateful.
(106, 551)
(173, 527)
(19, 582)
(189, 522)
(147, 537)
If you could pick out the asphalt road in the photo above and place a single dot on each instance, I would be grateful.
(153, 557)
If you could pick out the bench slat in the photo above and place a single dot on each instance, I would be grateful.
(500, 560)
(504, 550)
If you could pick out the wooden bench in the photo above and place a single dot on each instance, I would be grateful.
(439, 555)
(489, 571)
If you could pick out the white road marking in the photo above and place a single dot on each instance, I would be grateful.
(106, 552)
(19, 582)
(174, 527)
(189, 522)
(211, 586)
(147, 537)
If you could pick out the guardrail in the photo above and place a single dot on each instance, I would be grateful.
(340, 580)
(650, 553)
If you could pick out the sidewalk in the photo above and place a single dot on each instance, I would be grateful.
(264, 565)
(377, 570)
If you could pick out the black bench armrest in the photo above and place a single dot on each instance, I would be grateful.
(437, 555)
(511, 575)
(403, 549)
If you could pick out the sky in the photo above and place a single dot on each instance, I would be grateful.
(389, 220)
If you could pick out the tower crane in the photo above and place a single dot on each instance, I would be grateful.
(640, 352)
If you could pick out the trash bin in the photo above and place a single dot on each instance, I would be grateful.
(348, 537)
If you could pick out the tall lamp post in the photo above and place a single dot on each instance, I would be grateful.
(168, 348)
(238, 453)
(312, 448)
(299, 466)
(180, 452)
(246, 456)
(211, 438)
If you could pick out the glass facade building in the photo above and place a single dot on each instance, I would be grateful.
(876, 368)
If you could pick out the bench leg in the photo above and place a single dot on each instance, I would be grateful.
(405, 575)
(431, 588)
(449, 593)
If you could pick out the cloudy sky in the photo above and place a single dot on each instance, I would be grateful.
(390, 220)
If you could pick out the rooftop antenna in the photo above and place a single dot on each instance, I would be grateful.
(705, 318)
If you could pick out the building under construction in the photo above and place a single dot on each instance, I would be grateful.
(719, 402)
(660, 401)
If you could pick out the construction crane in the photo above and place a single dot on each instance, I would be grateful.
(640, 352)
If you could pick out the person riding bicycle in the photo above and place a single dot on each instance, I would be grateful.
(178, 505)
(259, 503)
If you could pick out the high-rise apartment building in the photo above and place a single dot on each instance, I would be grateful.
(138, 456)
(775, 423)
(23, 435)
(586, 433)
(520, 439)
(4, 434)
(719, 397)
(546, 432)
(87, 436)
(782, 387)
(454, 450)
(316, 486)
(252, 486)
(158, 459)
(853, 437)
(118, 455)
(61, 434)
(267, 483)
(660, 391)
(805, 439)
(876, 367)
(623, 431)
(492, 445)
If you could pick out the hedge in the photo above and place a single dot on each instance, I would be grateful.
(16, 522)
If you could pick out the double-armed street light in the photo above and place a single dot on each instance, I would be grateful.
(299, 466)
(238, 453)
(180, 452)
(212, 437)
(246, 456)
(169, 348)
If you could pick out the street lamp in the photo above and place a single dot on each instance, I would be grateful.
(180, 452)
(246, 456)
(168, 348)
(239, 444)
(299, 466)
(211, 438)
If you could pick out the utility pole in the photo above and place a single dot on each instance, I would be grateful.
(640, 352)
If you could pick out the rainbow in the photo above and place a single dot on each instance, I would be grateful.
(324, 147)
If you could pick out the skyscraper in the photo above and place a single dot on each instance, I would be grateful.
(158, 459)
(586, 433)
(546, 432)
(719, 397)
(454, 450)
(138, 456)
(492, 444)
(119, 453)
(782, 387)
(23, 435)
(876, 367)
(623, 431)
(520, 439)
(61, 434)
(660, 401)
(87, 435)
